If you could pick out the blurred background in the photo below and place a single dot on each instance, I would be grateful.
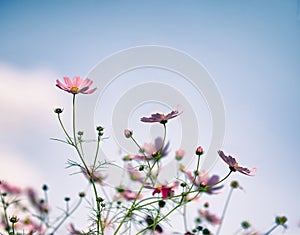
(250, 48)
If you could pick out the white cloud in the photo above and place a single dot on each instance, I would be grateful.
(27, 100)
(26, 96)
(16, 170)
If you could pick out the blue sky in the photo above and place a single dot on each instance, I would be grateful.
(250, 48)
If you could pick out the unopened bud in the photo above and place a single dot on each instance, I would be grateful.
(127, 133)
(199, 151)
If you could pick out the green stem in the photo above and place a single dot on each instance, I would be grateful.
(184, 218)
(66, 216)
(64, 129)
(224, 210)
(4, 204)
(212, 185)
(271, 229)
(98, 213)
(97, 151)
(74, 124)
(130, 210)
(141, 150)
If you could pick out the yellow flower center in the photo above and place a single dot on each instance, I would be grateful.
(74, 89)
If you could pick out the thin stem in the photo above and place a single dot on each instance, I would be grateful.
(196, 174)
(271, 229)
(64, 129)
(224, 210)
(164, 138)
(212, 185)
(13, 228)
(184, 218)
(99, 221)
(97, 151)
(67, 215)
(135, 200)
(141, 150)
(4, 204)
(74, 124)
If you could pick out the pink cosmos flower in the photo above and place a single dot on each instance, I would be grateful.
(203, 179)
(8, 188)
(160, 117)
(127, 194)
(209, 217)
(134, 157)
(179, 154)
(74, 231)
(30, 226)
(233, 165)
(152, 149)
(96, 176)
(38, 204)
(165, 190)
(134, 174)
(78, 85)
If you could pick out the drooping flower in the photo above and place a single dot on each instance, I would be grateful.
(160, 117)
(209, 217)
(165, 190)
(233, 165)
(78, 85)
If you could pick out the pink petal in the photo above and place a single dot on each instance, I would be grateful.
(77, 81)
(86, 83)
(68, 82)
(61, 85)
(90, 91)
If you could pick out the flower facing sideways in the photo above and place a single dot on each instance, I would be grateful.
(78, 85)
(209, 217)
(233, 165)
(160, 117)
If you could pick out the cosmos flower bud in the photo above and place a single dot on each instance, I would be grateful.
(161, 203)
(58, 110)
(199, 151)
(179, 154)
(234, 184)
(14, 219)
(181, 167)
(127, 133)
(280, 220)
(245, 224)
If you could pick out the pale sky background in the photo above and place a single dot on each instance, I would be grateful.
(250, 48)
